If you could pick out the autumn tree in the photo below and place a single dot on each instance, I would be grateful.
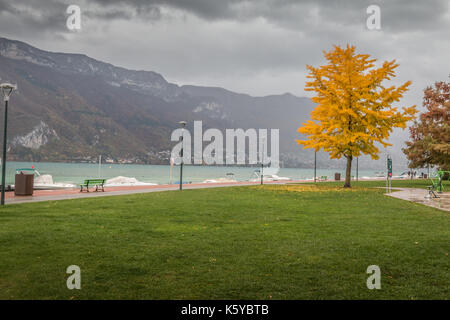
(354, 108)
(430, 136)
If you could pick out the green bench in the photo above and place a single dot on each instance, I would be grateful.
(98, 183)
(323, 178)
(436, 181)
(431, 193)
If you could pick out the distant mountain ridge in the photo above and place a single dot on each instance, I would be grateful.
(71, 107)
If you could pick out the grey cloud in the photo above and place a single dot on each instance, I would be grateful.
(398, 15)
(124, 11)
(233, 39)
(203, 8)
(304, 16)
(108, 15)
(32, 17)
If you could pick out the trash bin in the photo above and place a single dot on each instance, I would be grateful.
(24, 184)
(337, 176)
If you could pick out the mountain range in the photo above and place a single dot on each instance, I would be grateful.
(70, 107)
(73, 108)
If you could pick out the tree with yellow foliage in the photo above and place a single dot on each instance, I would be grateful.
(354, 109)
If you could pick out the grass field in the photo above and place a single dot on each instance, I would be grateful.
(271, 242)
(405, 183)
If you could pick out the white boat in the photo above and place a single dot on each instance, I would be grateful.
(404, 175)
(380, 174)
(229, 178)
(269, 174)
(278, 178)
(121, 181)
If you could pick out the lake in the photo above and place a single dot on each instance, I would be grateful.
(160, 174)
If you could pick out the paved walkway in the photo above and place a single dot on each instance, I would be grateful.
(419, 196)
(64, 194)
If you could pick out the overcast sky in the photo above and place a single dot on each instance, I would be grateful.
(258, 47)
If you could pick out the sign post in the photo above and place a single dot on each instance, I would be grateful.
(172, 162)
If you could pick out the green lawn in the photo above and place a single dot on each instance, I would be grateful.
(271, 242)
(405, 183)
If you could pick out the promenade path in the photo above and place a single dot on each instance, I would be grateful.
(420, 196)
(64, 194)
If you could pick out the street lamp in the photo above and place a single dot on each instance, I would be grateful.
(183, 124)
(315, 165)
(7, 90)
(262, 160)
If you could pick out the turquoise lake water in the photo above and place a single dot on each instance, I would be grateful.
(160, 174)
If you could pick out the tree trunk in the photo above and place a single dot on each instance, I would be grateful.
(348, 172)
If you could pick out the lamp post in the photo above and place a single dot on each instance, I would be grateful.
(315, 165)
(183, 124)
(262, 160)
(7, 90)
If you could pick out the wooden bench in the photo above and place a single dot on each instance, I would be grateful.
(98, 183)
